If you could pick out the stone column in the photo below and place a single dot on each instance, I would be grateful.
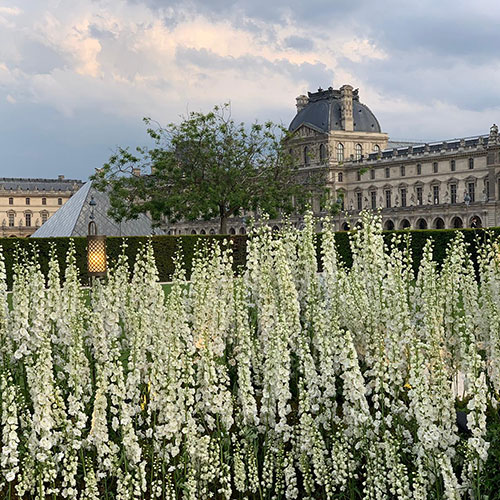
(346, 98)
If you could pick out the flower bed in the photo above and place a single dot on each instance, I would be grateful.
(279, 383)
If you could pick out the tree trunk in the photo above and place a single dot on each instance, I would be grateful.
(223, 224)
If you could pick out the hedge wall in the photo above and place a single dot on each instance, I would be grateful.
(165, 248)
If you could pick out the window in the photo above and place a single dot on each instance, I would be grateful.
(387, 172)
(340, 177)
(340, 152)
(358, 175)
(388, 196)
(376, 148)
(373, 199)
(471, 163)
(306, 156)
(435, 194)
(372, 173)
(45, 216)
(453, 193)
(359, 151)
(486, 190)
(471, 188)
(403, 197)
(59, 201)
(28, 220)
(27, 201)
(44, 201)
(11, 201)
(11, 219)
(322, 153)
(403, 170)
(419, 169)
(453, 165)
(359, 200)
(435, 167)
(420, 198)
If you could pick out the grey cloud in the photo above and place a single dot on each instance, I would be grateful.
(299, 43)
(38, 58)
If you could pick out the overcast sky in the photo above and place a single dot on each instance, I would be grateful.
(77, 76)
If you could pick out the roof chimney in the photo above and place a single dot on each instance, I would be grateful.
(346, 99)
(302, 102)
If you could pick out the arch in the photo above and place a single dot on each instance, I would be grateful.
(438, 223)
(193, 231)
(212, 231)
(243, 230)
(376, 148)
(457, 222)
(346, 226)
(475, 221)
(404, 224)
(358, 225)
(421, 224)
(340, 152)
(340, 177)
(203, 231)
(232, 230)
(359, 151)
(276, 228)
(306, 155)
(389, 225)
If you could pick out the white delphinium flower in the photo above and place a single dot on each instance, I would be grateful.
(9, 458)
(4, 313)
(452, 489)
(91, 490)
(291, 490)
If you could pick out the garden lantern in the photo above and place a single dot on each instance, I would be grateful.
(96, 248)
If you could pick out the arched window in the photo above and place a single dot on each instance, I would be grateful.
(471, 163)
(44, 201)
(359, 151)
(340, 152)
(322, 153)
(45, 216)
(306, 155)
(232, 231)
(341, 177)
(376, 148)
(419, 168)
(243, 230)
(28, 220)
(59, 201)
(11, 201)
(435, 167)
(193, 231)
(11, 219)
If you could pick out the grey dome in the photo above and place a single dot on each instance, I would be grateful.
(323, 112)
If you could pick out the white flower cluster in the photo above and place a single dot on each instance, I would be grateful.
(301, 378)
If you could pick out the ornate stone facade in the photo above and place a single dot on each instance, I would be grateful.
(26, 204)
(445, 184)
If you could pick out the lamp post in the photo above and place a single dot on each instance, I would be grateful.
(96, 248)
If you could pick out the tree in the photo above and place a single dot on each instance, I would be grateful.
(206, 167)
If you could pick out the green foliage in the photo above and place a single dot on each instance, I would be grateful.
(206, 167)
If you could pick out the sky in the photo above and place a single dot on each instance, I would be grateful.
(78, 76)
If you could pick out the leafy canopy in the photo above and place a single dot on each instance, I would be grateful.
(205, 167)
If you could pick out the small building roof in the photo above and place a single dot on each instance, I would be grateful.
(73, 217)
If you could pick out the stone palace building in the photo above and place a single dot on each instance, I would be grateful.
(26, 204)
(447, 184)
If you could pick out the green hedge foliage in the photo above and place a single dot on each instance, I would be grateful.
(166, 247)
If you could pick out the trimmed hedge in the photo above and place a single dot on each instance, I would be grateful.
(165, 248)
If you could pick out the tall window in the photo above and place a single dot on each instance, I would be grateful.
(453, 193)
(403, 197)
(435, 167)
(341, 177)
(59, 201)
(359, 200)
(471, 188)
(471, 163)
(419, 169)
(44, 201)
(487, 190)
(306, 155)
(27, 201)
(388, 197)
(45, 216)
(359, 151)
(387, 172)
(420, 198)
(322, 153)
(376, 148)
(340, 152)
(358, 175)
(11, 219)
(372, 173)
(403, 170)
(28, 220)
(435, 194)
(373, 199)
(11, 201)
(453, 165)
